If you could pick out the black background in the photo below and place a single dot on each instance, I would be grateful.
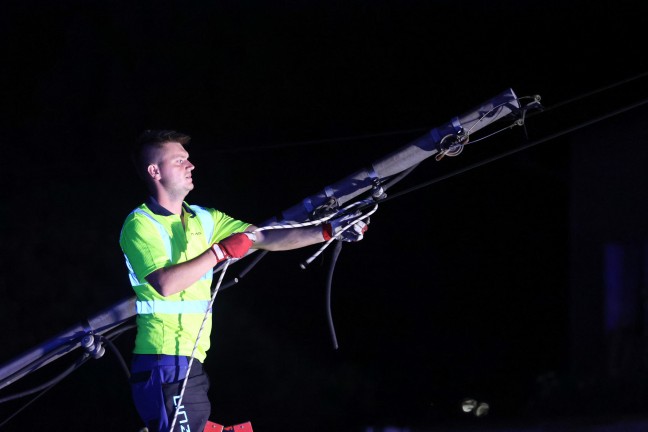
(460, 289)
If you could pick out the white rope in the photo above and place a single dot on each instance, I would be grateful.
(227, 263)
(288, 225)
(193, 352)
(313, 222)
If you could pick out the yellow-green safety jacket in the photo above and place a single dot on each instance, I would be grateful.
(152, 238)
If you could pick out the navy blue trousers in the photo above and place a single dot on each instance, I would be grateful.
(156, 383)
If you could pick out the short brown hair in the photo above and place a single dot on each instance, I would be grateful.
(155, 138)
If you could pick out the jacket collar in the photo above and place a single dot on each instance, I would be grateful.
(157, 208)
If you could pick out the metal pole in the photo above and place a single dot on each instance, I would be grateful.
(344, 190)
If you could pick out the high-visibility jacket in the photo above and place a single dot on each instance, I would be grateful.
(153, 238)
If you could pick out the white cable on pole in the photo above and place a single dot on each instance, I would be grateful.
(193, 352)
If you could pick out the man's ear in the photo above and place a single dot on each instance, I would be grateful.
(153, 171)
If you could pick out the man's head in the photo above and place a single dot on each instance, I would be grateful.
(148, 143)
(161, 160)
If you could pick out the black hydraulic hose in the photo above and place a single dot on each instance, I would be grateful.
(329, 283)
(115, 350)
(245, 271)
(44, 388)
(51, 382)
(34, 365)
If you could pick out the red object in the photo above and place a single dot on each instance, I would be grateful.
(243, 427)
(236, 245)
(215, 427)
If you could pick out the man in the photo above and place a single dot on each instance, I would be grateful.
(170, 249)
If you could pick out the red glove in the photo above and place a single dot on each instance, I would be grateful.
(234, 246)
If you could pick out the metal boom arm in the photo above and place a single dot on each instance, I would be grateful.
(430, 144)
(411, 154)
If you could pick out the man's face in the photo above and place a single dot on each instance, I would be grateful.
(174, 169)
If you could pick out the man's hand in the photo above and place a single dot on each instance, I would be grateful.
(355, 233)
(234, 246)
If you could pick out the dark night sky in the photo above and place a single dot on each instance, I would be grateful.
(459, 289)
